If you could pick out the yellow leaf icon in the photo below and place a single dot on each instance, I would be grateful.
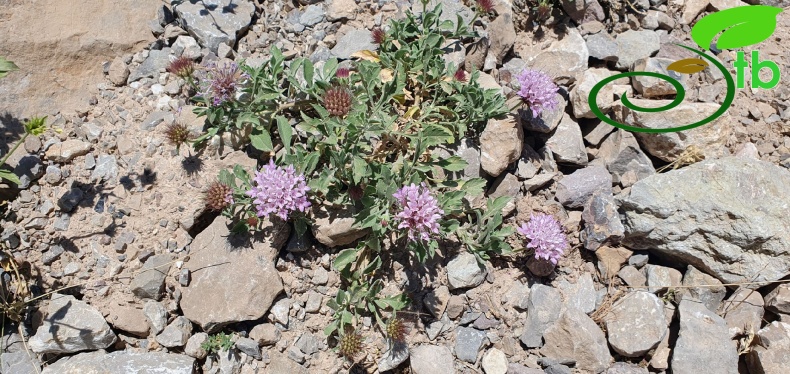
(688, 65)
(366, 54)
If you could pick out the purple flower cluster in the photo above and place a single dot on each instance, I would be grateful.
(278, 191)
(537, 90)
(545, 236)
(220, 83)
(420, 212)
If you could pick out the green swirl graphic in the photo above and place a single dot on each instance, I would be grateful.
(681, 93)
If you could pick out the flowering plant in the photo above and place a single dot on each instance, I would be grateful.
(545, 237)
(537, 90)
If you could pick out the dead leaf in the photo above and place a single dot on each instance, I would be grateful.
(688, 65)
(366, 54)
(386, 75)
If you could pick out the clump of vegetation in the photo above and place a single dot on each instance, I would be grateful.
(369, 138)
(218, 342)
(35, 126)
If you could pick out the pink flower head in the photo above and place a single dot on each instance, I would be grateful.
(342, 73)
(420, 212)
(545, 236)
(278, 191)
(537, 90)
(220, 83)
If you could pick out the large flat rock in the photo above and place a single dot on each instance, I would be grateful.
(233, 276)
(122, 362)
(726, 217)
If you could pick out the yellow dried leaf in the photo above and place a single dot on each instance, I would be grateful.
(396, 44)
(410, 113)
(366, 54)
(688, 65)
(386, 75)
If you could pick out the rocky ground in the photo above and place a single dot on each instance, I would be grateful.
(658, 223)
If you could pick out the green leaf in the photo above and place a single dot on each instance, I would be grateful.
(330, 67)
(310, 162)
(345, 258)
(248, 117)
(474, 186)
(286, 132)
(435, 135)
(495, 206)
(225, 177)
(454, 163)
(359, 169)
(741, 26)
(6, 67)
(9, 176)
(330, 329)
(261, 140)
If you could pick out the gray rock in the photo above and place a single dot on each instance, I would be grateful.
(548, 120)
(743, 311)
(186, 46)
(265, 334)
(194, 347)
(494, 362)
(122, 362)
(500, 145)
(156, 314)
(53, 175)
(66, 151)
(307, 343)
(778, 300)
(528, 164)
(157, 60)
(581, 92)
(602, 46)
(211, 300)
(62, 222)
(654, 87)
(71, 268)
(621, 154)
(282, 364)
(662, 278)
(52, 254)
(148, 283)
(341, 10)
(215, 22)
(542, 307)
(71, 326)
(106, 169)
(567, 143)
(29, 169)
(154, 119)
(176, 334)
(770, 355)
(700, 327)
(580, 295)
(312, 15)
(19, 362)
(710, 296)
(320, 276)
(632, 277)
(431, 359)
(334, 228)
(723, 216)
(626, 368)
(280, 311)
(90, 162)
(118, 72)
(393, 356)
(634, 45)
(636, 324)
(563, 58)
(354, 41)
(314, 301)
(638, 259)
(574, 190)
(514, 368)
(601, 221)
(436, 301)
(249, 347)
(502, 32)
(575, 336)
(538, 181)
(463, 271)
(708, 140)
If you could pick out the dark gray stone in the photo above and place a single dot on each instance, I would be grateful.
(467, 343)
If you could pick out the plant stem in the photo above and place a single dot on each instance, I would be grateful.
(14, 149)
